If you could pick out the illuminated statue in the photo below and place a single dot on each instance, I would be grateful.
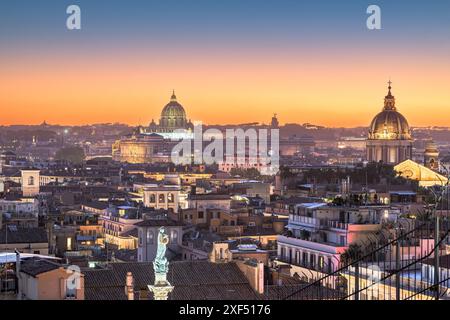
(160, 264)
(161, 287)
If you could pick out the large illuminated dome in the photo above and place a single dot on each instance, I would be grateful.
(389, 138)
(173, 115)
(389, 124)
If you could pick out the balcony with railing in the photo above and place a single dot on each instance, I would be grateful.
(335, 224)
(322, 246)
(305, 221)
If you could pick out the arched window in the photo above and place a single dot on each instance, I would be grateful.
(174, 236)
(161, 198)
(150, 236)
(170, 198)
(31, 181)
(152, 198)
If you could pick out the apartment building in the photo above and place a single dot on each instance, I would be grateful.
(318, 233)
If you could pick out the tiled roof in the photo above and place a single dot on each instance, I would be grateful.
(258, 231)
(295, 292)
(97, 205)
(193, 280)
(131, 233)
(23, 235)
(210, 196)
(35, 266)
(158, 223)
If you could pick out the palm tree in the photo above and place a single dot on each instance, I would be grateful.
(353, 253)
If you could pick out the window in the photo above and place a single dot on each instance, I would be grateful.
(174, 236)
(71, 287)
(200, 215)
(313, 261)
(152, 198)
(282, 252)
(149, 236)
(140, 236)
(321, 262)
(170, 198)
(31, 181)
(161, 198)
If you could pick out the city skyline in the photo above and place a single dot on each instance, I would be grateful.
(307, 62)
(228, 152)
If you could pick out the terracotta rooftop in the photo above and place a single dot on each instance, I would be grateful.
(158, 223)
(193, 280)
(22, 235)
(35, 266)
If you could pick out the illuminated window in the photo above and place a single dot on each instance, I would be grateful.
(161, 198)
(321, 262)
(150, 236)
(174, 235)
(170, 198)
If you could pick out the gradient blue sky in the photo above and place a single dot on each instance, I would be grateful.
(213, 23)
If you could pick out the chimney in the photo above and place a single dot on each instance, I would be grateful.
(129, 287)
(260, 277)
(220, 253)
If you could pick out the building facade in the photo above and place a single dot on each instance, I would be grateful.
(319, 233)
(154, 143)
(431, 156)
(148, 238)
(162, 197)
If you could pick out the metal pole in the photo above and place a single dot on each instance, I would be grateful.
(397, 267)
(356, 281)
(436, 257)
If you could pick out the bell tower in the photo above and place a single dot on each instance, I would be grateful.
(30, 182)
(431, 156)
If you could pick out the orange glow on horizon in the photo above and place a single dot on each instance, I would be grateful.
(337, 92)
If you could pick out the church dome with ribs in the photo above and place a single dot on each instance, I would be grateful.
(173, 114)
(389, 124)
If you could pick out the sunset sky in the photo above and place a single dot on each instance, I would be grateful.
(230, 61)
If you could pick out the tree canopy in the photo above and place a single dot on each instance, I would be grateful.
(71, 154)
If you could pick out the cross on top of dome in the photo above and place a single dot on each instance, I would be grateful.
(389, 100)
(173, 97)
